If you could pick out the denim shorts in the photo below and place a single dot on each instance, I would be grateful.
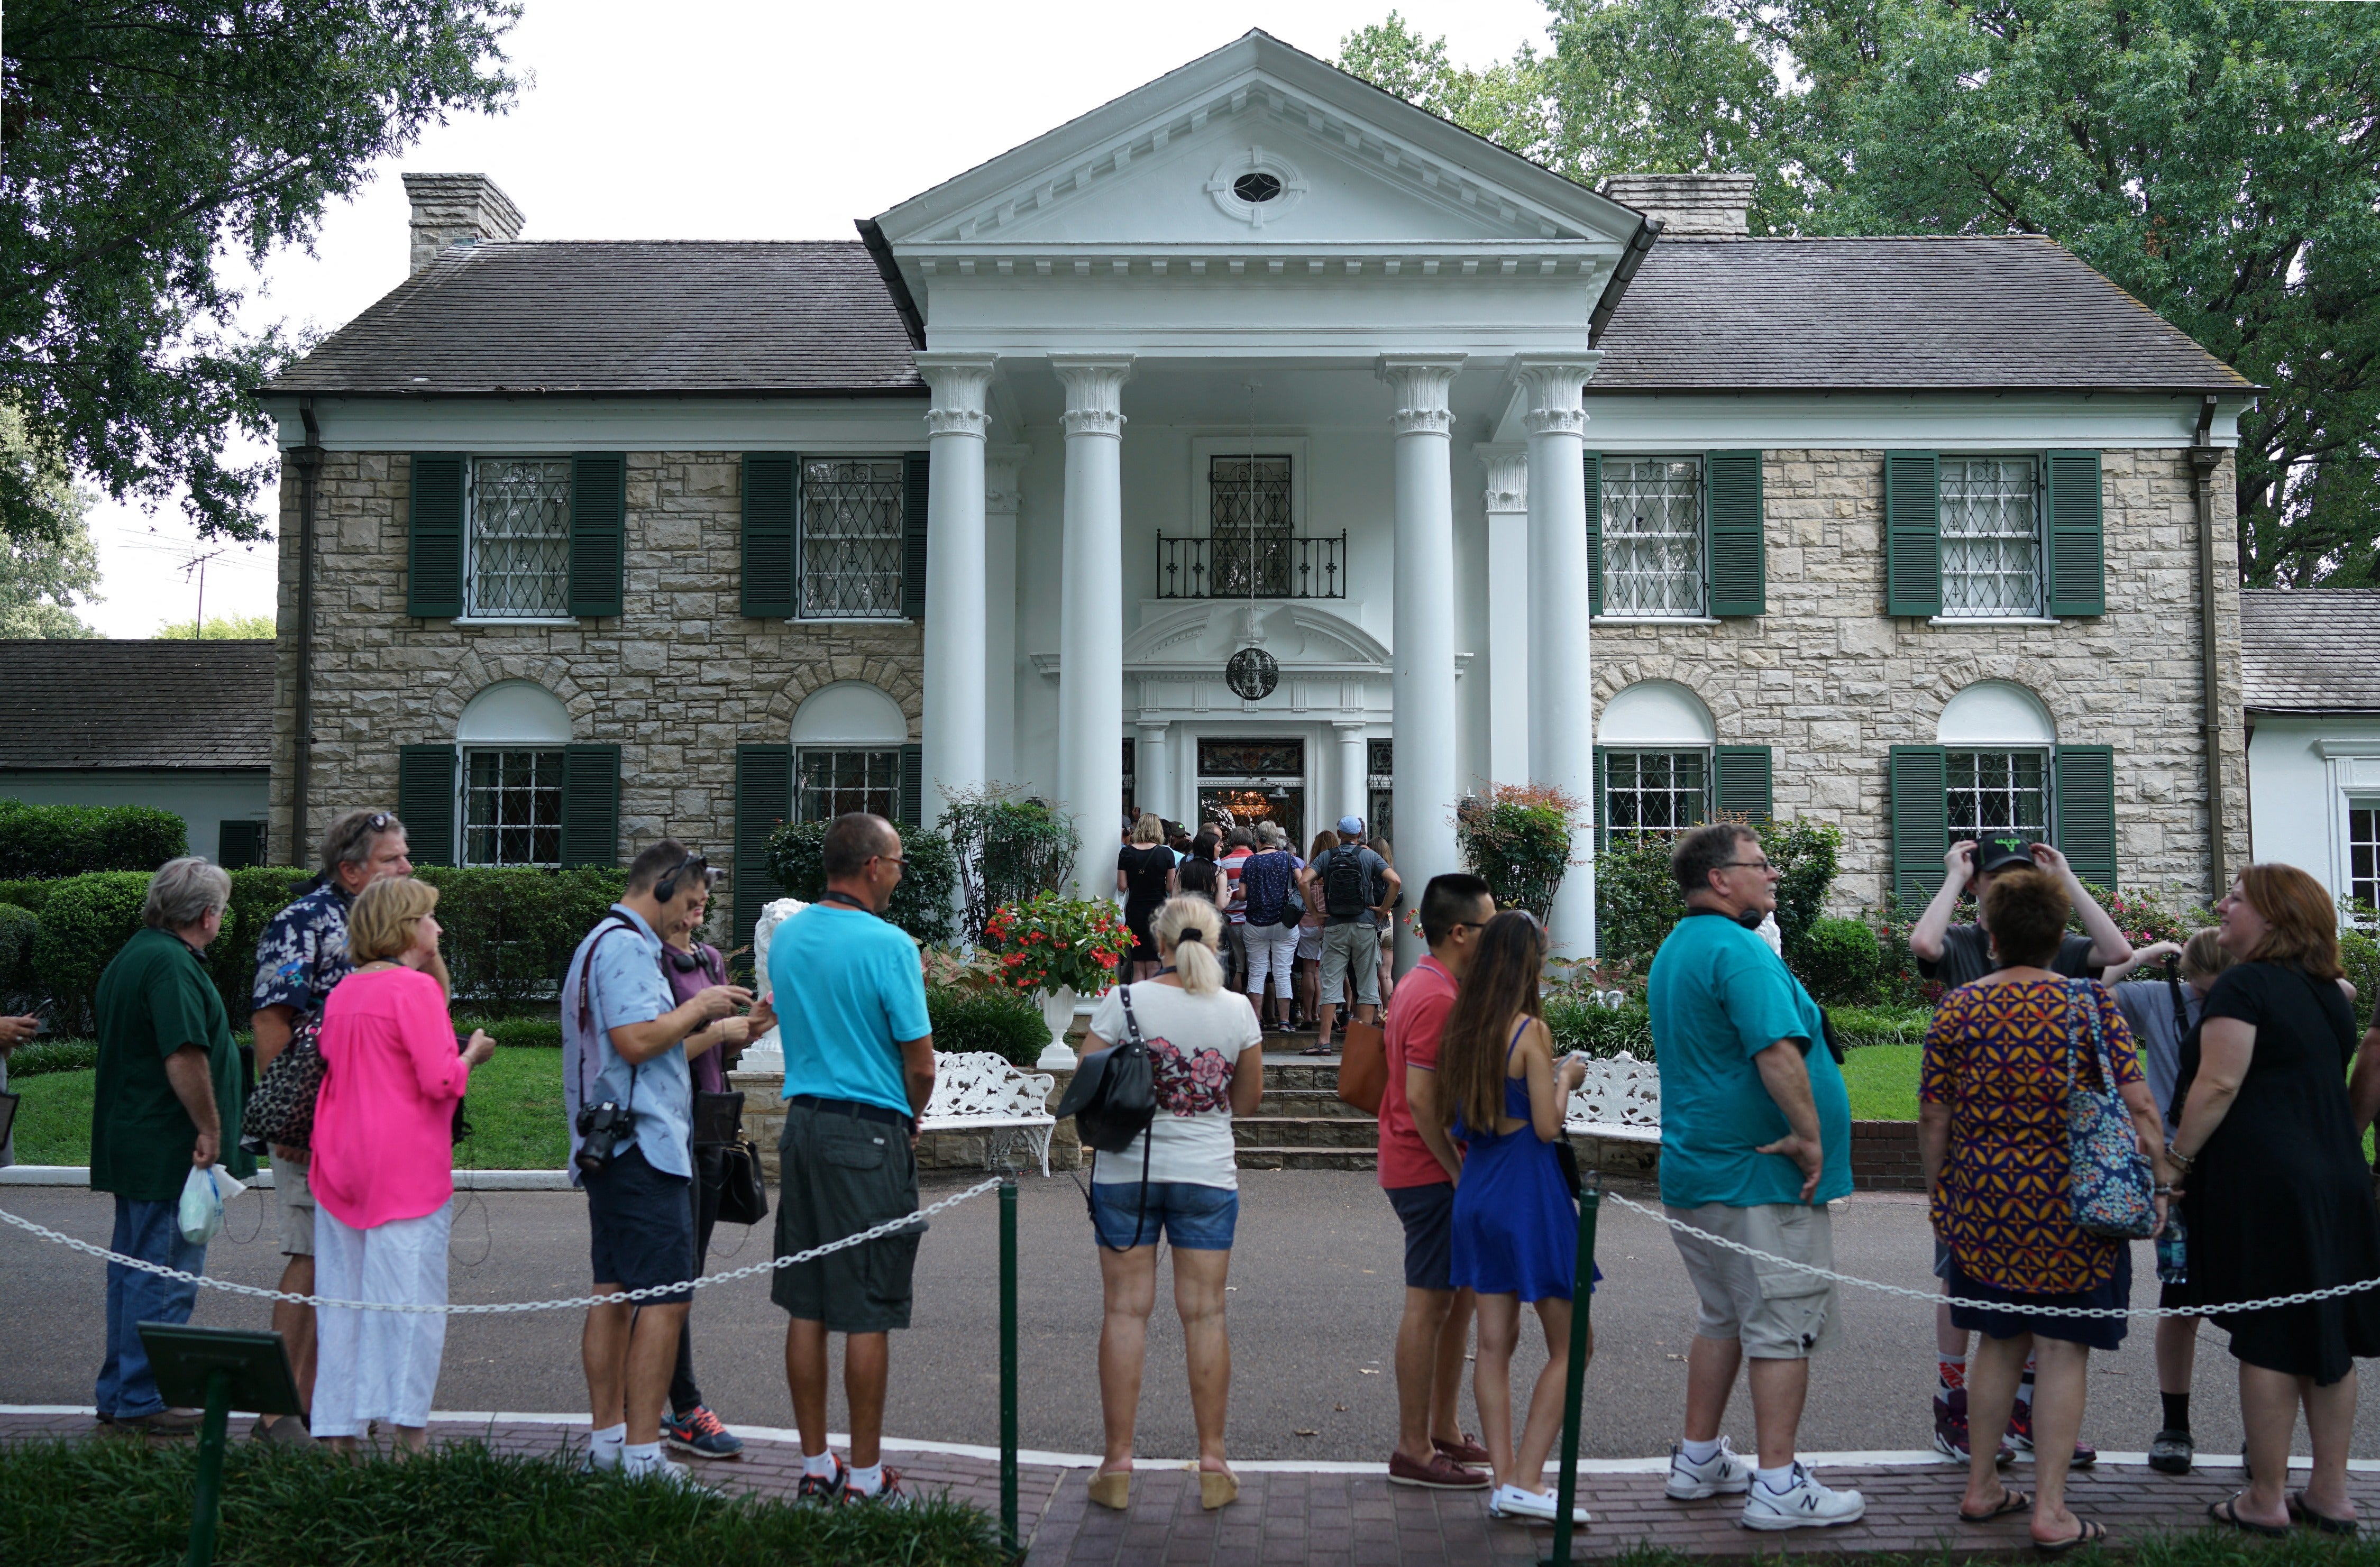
(1192, 1217)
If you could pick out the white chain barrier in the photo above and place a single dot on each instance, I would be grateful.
(650, 1292)
(1934, 1297)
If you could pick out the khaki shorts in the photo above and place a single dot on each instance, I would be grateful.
(294, 1198)
(1779, 1313)
(1351, 952)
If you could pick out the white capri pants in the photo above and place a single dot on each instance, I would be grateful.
(378, 1364)
(1272, 949)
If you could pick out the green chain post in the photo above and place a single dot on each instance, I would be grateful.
(207, 1505)
(1590, 1198)
(1008, 1527)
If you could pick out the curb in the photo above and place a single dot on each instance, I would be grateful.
(464, 1180)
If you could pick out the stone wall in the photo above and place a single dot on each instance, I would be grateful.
(1830, 683)
(678, 681)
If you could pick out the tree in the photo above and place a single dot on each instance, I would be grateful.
(2218, 159)
(42, 573)
(222, 628)
(143, 143)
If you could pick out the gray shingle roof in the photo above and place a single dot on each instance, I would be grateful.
(80, 705)
(2014, 311)
(2316, 650)
(627, 316)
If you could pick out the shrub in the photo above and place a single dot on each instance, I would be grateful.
(53, 1055)
(1636, 900)
(69, 840)
(1600, 1032)
(509, 934)
(1838, 961)
(83, 926)
(26, 893)
(1006, 850)
(1517, 838)
(2359, 955)
(1003, 1022)
(921, 904)
(18, 927)
(1809, 852)
(258, 892)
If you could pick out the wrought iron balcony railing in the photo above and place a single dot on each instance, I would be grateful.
(1261, 567)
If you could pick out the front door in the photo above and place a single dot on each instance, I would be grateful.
(1242, 782)
(1228, 808)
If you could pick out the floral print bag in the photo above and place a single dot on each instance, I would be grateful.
(2111, 1185)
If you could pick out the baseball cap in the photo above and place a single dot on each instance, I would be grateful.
(1350, 824)
(2000, 853)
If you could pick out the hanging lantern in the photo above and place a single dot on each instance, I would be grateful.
(1252, 674)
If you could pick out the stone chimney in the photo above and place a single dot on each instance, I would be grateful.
(452, 209)
(1696, 205)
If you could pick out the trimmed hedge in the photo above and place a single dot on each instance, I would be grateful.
(923, 904)
(83, 926)
(1839, 961)
(48, 841)
(1003, 1022)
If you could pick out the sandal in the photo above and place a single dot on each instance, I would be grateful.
(2011, 1500)
(1320, 1047)
(2171, 1452)
(2089, 1534)
(2300, 1514)
(2228, 1511)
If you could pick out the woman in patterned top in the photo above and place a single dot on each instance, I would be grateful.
(1993, 1132)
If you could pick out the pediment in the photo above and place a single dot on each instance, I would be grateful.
(1302, 635)
(1155, 170)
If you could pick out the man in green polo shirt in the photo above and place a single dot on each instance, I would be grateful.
(166, 1099)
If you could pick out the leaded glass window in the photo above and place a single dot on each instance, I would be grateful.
(520, 538)
(1655, 792)
(1652, 536)
(1991, 537)
(1249, 522)
(1999, 795)
(2364, 852)
(852, 537)
(512, 808)
(832, 783)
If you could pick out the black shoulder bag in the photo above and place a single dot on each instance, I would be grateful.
(1113, 1100)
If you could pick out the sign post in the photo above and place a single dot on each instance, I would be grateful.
(1590, 1198)
(214, 1369)
(1008, 1520)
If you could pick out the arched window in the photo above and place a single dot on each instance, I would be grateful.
(1654, 756)
(1997, 739)
(849, 740)
(511, 739)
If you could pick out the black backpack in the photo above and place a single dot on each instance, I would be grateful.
(1346, 890)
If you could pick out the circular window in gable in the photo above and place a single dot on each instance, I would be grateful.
(1254, 188)
(1257, 187)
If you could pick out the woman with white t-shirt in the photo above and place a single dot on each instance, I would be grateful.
(1180, 1179)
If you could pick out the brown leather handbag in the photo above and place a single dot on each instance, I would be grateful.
(1364, 1067)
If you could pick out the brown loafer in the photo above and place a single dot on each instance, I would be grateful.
(1465, 1449)
(1440, 1474)
(163, 1423)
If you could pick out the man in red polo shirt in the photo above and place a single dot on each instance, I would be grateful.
(1419, 1167)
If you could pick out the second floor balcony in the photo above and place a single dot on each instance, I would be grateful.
(1266, 566)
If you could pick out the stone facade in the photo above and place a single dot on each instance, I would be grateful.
(678, 681)
(1830, 683)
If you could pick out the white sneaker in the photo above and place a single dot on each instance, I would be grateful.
(1511, 1502)
(1726, 1473)
(1805, 1505)
(676, 1474)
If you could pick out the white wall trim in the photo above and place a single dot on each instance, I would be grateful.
(1954, 422)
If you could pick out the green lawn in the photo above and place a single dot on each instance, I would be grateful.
(1883, 1081)
(514, 1112)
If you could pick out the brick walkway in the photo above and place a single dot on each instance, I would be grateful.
(1343, 1520)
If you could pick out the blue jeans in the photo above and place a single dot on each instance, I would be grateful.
(152, 1231)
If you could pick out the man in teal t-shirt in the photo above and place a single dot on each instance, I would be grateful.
(850, 997)
(1756, 1140)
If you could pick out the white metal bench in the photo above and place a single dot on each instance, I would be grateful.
(978, 1091)
(1620, 1098)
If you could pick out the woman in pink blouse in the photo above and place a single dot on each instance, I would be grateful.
(384, 1167)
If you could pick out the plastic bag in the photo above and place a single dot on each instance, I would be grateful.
(202, 1202)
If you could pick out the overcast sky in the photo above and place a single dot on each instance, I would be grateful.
(706, 119)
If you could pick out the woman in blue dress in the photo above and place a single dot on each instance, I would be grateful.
(1516, 1226)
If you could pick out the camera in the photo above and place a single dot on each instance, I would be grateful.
(601, 1129)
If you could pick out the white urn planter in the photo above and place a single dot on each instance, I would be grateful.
(1057, 1015)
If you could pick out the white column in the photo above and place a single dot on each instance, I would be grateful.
(1091, 629)
(1354, 774)
(1561, 673)
(955, 609)
(1003, 471)
(1508, 611)
(1423, 679)
(1155, 755)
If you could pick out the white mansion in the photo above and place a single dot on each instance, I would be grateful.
(1260, 440)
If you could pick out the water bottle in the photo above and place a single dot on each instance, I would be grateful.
(2172, 1253)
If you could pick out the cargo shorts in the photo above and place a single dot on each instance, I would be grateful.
(841, 1173)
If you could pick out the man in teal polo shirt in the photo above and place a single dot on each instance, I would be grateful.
(1756, 1140)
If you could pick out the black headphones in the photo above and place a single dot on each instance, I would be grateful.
(666, 889)
(684, 962)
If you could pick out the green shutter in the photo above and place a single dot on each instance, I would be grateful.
(239, 845)
(590, 805)
(1739, 572)
(916, 485)
(425, 802)
(764, 797)
(1913, 534)
(1602, 802)
(912, 785)
(769, 534)
(1919, 785)
(2077, 573)
(598, 529)
(2085, 827)
(1741, 783)
(434, 537)
(1593, 462)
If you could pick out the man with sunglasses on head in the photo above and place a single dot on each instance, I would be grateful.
(626, 1042)
(859, 1068)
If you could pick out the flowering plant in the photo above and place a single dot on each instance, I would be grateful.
(1048, 942)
